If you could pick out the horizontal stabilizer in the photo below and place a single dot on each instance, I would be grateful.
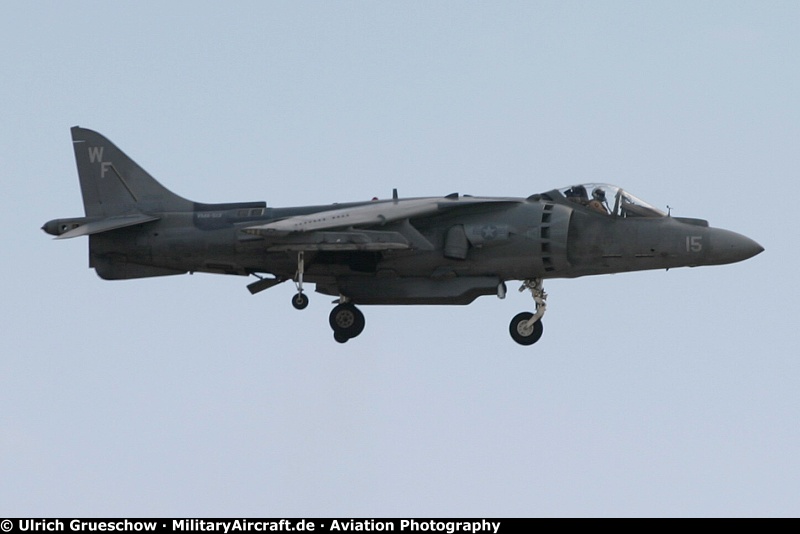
(107, 224)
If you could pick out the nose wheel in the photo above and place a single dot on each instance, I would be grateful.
(523, 331)
(347, 322)
(526, 328)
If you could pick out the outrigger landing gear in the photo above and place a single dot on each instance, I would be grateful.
(346, 320)
(526, 328)
(300, 301)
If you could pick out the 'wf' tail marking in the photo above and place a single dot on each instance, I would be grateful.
(96, 154)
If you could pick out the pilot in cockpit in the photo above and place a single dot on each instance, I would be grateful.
(578, 195)
(598, 202)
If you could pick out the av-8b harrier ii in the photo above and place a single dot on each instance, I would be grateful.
(431, 250)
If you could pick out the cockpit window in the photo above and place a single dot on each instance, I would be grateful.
(610, 200)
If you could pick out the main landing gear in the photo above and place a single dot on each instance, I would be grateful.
(346, 320)
(526, 328)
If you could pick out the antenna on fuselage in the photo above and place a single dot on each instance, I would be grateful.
(394, 195)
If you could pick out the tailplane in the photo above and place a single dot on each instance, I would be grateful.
(113, 184)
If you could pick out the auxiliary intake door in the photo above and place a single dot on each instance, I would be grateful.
(552, 236)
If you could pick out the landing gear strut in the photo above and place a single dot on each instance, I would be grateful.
(526, 328)
(300, 301)
(347, 321)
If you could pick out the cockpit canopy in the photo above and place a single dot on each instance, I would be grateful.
(610, 199)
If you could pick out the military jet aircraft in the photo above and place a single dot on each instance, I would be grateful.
(429, 250)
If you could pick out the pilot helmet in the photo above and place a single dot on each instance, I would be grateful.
(599, 194)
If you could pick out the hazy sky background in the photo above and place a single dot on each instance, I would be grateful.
(656, 393)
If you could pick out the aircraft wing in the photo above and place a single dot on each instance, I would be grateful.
(352, 228)
(375, 213)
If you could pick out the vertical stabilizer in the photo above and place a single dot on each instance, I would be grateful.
(113, 184)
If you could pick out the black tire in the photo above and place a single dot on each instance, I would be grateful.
(300, 301)
(525, 336)
(340, 338)
(347, 320)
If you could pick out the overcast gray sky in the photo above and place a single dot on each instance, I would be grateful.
(656, 393)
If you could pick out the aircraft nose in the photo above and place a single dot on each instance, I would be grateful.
(730, 247)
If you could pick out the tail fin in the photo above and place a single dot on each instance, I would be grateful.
(113, 184)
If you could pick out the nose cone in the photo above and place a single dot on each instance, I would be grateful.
(730, 247)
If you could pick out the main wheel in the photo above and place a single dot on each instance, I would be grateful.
(525, 334)
(300, 301)
(347, 321)
(340, 338)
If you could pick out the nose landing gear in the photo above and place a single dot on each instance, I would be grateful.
(523, 331)
(526, 328)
